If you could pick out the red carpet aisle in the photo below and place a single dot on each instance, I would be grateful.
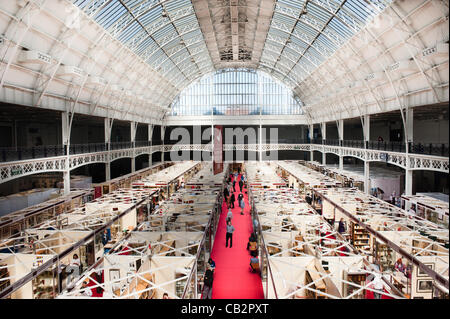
(232, 276)
(369, 294)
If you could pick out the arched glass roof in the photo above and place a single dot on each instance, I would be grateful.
(236, 92)
(183, 40)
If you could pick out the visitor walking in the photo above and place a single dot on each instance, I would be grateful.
(226, 193)
(208, 283)
(241, 185)
(229, 235)
(232, 200)
(242, 206)
(229, 215)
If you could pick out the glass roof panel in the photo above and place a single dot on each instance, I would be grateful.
(167, 34)
(320, 28)
(156, 31)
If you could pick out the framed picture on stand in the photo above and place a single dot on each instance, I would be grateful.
(421, 273)
(424, 285)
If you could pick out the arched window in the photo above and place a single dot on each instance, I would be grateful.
(236, 92)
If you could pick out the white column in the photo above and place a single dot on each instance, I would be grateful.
(150, 135)
(66, 141)
(409, 138)
(260, 141)
(163, 131)
(133, 129)
(108, 128)
(366, 177)
(409, 125)
(323, 127)
(408, 181)
(311, 136)
(341, 162)
(366, 128)
(366, 131)
(212, 140)
(340, 125)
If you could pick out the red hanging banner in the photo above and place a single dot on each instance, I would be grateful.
(97, 192)
(218, 150)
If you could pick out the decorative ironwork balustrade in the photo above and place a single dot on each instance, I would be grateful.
(413, 161)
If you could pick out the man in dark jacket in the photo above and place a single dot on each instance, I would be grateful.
(308, 199)
(208, 283)
(241, 184)
(232, 200)
(226, 194)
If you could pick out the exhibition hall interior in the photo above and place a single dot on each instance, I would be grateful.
(224, 149)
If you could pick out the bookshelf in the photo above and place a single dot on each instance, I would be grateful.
(358, 279)
(312, 275)
(4, 273)
(384, 255)
(360, 238)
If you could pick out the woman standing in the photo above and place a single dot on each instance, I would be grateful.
(242, 205)
(241, 202)
(341, 227)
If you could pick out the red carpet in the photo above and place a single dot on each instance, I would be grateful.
(233, 278)
(369, 295)
(343, 249)
(93, 283)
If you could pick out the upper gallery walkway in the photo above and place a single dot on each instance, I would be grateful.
(21, 162)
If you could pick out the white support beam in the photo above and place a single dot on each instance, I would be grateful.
(311, 136)
(163, 131)
(260, 142)
(323, 127)
(234, 29)
(108, 123)
(150, 136)
(409, 125)
(65, 124)
(408, 181)
(366, 127)
(212, 141)
(340, 126)
(187, 120)
(133, 129)
(366, 177)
